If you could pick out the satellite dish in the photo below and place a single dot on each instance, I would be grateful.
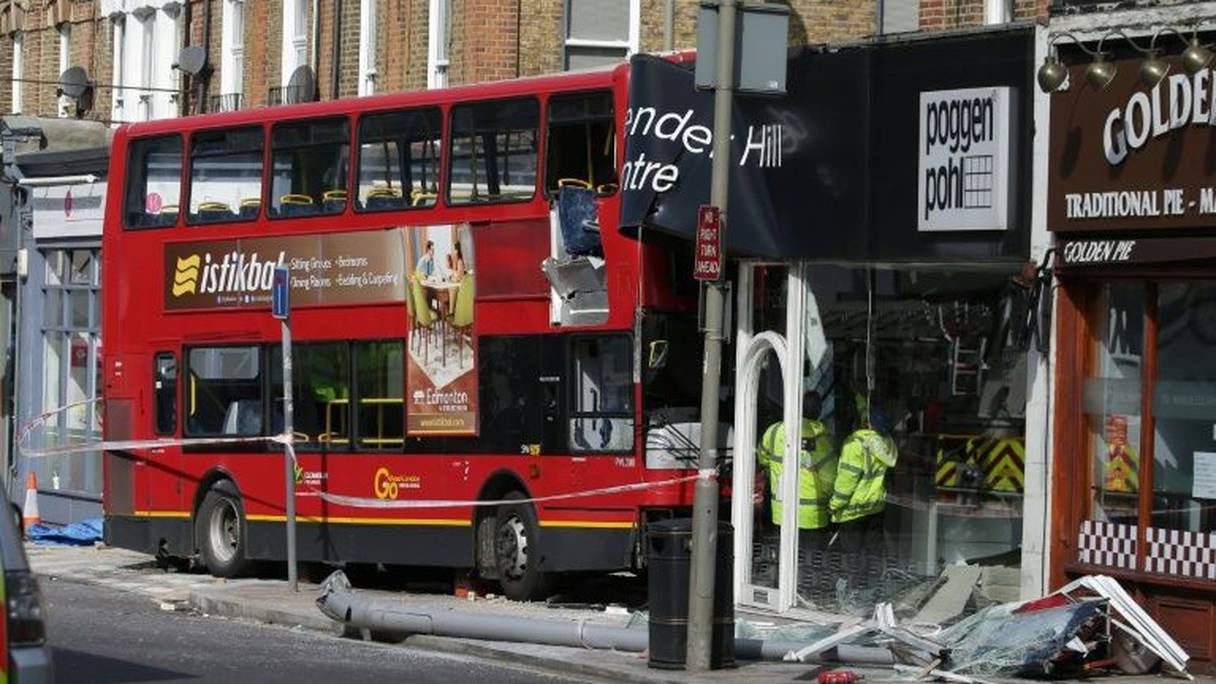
(191, 60)
(302, 86)
(74, 83)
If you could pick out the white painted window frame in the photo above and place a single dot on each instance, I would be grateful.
(295, 38)
(367, 47)
(65, 60)
(438, 20)
(18, 71)
(118, 62)
(630, 44)
(147, 58)
(232, 59)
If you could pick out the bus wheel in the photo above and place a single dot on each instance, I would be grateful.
(515, 549)
(221, 533)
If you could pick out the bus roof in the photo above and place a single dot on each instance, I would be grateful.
(575, 80)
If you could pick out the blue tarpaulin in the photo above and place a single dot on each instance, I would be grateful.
(81, 533)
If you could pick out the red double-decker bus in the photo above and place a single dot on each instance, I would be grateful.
(468, 325)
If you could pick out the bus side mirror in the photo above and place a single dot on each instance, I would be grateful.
(657, 356)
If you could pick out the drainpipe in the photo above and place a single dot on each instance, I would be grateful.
(997, 12)
(315, 53)
(204, 80)
(183, 107)
(342, 605)
(333, 72)
(669, 25)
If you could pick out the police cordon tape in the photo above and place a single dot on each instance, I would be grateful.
(336, 499)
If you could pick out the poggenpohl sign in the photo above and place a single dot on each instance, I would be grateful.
(840, 167)
(963, 168)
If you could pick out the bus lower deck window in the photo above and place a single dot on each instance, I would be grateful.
(309, 168)
(154, 182)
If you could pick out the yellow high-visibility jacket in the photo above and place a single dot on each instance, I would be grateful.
(860, 487)
(816, 472)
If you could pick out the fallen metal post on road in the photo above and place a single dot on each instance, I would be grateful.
(340, 603)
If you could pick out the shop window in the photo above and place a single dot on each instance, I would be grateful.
(1184, 408)
(602, 419)
(399, 159)
(165, 393)
(1112, 401)
(225, 175)
(154, 177)
(320, 388)
(494, 152)
(380, 388)
(309, 168)
(581, 144)
(224, 396)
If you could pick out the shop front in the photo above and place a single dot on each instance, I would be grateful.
(1133, 209)
(881, 221)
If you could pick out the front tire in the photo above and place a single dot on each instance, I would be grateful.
(220, 527)
(517, 552)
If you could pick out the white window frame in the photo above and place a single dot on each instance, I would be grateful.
(147, 58)
(295, 38)
(232, 59)
(367, 47)
(65, 60)
(629, 45)
(18, 71)
(118, 62)
(439, 26)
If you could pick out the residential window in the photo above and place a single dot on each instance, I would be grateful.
(380, 388)
(439, 39)
(899, 16)
(165, 393)
(600, 32)
(66, 104)
(18, 71)
(602, 419)
(581, 145)
(232, 67)
(494, 152)
(154, 177)
(118, 102)
(224, 396)
(309, 172)
(225, 175)
(399, 159)
(367, 47)
(320, 390)
(295, 38)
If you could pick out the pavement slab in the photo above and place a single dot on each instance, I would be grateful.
(271, 601)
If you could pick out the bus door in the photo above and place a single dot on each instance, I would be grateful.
(163, 470)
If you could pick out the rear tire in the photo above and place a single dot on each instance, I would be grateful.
(516, 552)
(220, 530)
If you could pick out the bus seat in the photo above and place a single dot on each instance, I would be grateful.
(422, 199)
(578, 218)
(243, 417)
(211, 212)
(573, 183)
(333, 201)
(379, 199)
(249, 208)
(294, 204)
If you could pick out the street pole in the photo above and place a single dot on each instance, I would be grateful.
(289, 457)
(705, 494)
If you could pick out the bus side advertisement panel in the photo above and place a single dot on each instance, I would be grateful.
(441, 375)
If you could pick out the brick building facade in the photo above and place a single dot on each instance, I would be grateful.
(486, 40)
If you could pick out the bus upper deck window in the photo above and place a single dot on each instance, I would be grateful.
(582, 143)
(154, 182)
(309, 168)
(493, 152)
(399, 159)
(225, 175)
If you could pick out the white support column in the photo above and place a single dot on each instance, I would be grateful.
(795, 324)
(1036, 503)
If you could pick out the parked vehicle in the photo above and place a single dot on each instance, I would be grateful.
(24, 654)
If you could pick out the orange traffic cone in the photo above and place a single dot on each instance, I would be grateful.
(29, 513)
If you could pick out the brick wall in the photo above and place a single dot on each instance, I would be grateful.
(947, 14)
(261, 50)
(541, 37)
(485, 41)
(415, 48)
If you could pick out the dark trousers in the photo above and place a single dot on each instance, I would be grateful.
(863, 550)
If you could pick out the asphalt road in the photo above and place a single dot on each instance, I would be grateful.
(104, 636)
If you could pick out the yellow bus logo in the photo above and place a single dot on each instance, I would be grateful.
(185, 278)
